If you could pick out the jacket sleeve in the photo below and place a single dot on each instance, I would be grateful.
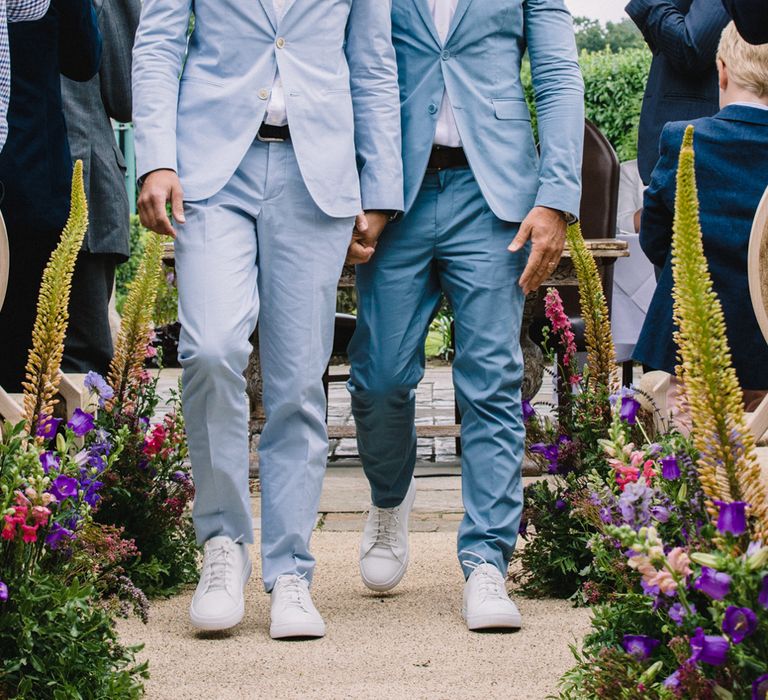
(79, 39)
(559, 92)
(26, 10)
(688, 40)
(118, 21)
(158, 56)
(751, 18)
(658, 202)
(376, 104)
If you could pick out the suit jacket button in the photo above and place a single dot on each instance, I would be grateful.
(280, 43)
(263, 94)
(445, 55)
(432, 109)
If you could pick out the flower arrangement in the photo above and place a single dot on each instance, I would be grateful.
(679, 524)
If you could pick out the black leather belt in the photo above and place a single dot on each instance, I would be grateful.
(269, 133)
(443, 158)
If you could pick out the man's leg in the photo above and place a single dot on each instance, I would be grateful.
(218, 306)
(397, 296)
(301, 253)
(480, 277)
(89, 337)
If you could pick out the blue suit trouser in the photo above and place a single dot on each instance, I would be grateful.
(449, 242)
(259, 249)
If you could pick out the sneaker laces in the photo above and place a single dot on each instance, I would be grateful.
(490, 582)
(294, 591)
(387, 520)
(218, 566)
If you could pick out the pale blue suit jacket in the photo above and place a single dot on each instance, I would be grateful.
(338, 69)
(479, 67)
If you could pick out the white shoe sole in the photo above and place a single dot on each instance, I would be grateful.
(383, 587)
(512, 621)
(224, 622)
(287, 630)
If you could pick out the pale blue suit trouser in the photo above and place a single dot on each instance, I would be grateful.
(260, 249)
(450, 241)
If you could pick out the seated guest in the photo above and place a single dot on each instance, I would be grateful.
(682, 83)
(751, 18)
(731, 153)
(36, 165)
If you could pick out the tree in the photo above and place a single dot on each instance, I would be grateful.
(592, 35)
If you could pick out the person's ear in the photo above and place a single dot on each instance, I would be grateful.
(722, 75)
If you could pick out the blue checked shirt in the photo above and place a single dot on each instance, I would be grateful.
(13, 11)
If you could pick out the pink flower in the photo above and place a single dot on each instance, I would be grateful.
(40, 515)
(155, 441)
(29, 533)
(679, 562)
(9, 529)
(561, 325)
(151, 351)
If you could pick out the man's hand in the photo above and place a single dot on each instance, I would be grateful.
(159, 188)
(365, 236)
(546, 229)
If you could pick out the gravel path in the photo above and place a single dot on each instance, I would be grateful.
(408, 644)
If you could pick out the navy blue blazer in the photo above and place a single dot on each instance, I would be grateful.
(682, 84)
(731, 153)
(35, 164)
(751, 18)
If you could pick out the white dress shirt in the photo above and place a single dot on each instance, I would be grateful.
(276, 114)
(447, 133)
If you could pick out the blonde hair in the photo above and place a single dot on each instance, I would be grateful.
(747, 64)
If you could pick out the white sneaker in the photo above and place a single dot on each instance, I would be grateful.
(486, 601)
(384, 547)
(293, 612)
(218, 601)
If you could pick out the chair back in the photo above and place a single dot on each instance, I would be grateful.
(5, 261)
(600, 173)
(757, 265)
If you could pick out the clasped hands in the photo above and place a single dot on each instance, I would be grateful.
(544, 227)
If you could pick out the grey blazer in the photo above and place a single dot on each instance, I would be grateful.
(88, 108)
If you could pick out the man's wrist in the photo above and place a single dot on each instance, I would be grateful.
(391, 214)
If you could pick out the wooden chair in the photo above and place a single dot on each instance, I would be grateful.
(657, 384)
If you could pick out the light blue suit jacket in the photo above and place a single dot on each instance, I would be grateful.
(479, 67)
(338, 69)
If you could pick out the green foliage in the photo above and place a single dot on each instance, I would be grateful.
(614, 84)
(593, 36)
(58, 643)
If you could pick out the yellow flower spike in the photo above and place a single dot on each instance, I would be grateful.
(601, 355)
(137, 323)
(50, 329)
(727, 465)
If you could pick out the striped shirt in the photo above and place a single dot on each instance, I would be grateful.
(13, 11)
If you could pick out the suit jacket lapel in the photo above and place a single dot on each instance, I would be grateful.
(461, 10)
(429, 22)
(269, 9)
(287, 6)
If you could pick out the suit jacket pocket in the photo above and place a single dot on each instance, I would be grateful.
(511, 108)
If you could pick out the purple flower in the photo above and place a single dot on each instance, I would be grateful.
(670, 469)
(91, 491)
(64, 487)
(760, 688)
(714, 584)
(528, 410)
(639, 646)
(47, 427)
(660, 514)
(180, 477)
(95, 383)
(708, 649)
(49, 461)
(672, 681)
(635, 503)
(550, 453)
(732, 517)
(629, 408)
(81, 422)
(762, 597)
(3, 592)
(560, 504)
(678, 613)
(739, 623)
(58, 535)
